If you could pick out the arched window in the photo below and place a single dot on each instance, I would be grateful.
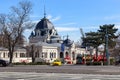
(66, 53)
(38, 33)
(73, 55)
(8, 54)
(61, 54)
(54, 54)
(45, 54)
(3, 55)
(36, 54)
(51, 55)
(16, 55)
(42, 54)
(58, 41)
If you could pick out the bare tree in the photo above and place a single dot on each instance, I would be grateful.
(14, 24)
(31, 49)
(33, 53)
(116, 51)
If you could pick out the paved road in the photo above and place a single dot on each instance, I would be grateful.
(71, 69)
(54, 76)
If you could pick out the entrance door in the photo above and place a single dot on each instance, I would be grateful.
(79, 59)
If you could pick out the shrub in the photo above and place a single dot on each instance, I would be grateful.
(112, 61)
(18, 63)
(88, 60)
(96, 63)
(88, 63)
(36, 63)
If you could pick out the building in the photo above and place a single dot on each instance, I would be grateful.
(19, 55)
(49, 46)
(46, 41)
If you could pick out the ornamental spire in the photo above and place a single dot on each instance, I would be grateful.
(44, 10)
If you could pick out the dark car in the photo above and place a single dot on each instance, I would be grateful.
(4, 63)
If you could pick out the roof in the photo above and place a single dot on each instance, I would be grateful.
(44, 24)
(47, 44)
(3, 49)
(67, 42)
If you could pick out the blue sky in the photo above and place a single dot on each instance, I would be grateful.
(68, 16)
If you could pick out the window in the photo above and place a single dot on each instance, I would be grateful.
(22, 54)
(73, 55)
(51, 55)
(3, 55)
(38, 34)
(54, 55)
(66, 53)
(58, 41)
(37, 54)
(16, 55)
(8, 55)
(61, 54)
(45, 54)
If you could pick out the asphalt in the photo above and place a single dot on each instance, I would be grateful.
(54, 76)
(69, 69)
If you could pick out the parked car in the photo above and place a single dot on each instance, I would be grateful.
(4, 63)
(56, 63)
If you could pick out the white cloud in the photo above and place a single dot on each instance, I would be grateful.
(56, 18)
(117, 26)
(35, 21)
(35, 16)
(27, 33)
(94, 27)
(49, 16)
(53, 18)
(112, 17)
(90, 28)
(65, 24)
(64, 29)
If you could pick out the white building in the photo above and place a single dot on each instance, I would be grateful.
(19, 55)
(48, 44)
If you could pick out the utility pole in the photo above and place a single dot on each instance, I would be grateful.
(106, 47)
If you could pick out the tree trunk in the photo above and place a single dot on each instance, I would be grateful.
(104, 53)
(96, 52)
(11, 57)
(32, 53)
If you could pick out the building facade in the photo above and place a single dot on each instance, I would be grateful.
(49, 45)
(19, 55)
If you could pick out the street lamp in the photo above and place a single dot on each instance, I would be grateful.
(106, 46)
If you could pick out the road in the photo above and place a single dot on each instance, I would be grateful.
(65, 72)
(54, 76)
(71, 69)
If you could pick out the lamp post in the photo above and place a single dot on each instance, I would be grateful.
(91, 51)
(106, 47)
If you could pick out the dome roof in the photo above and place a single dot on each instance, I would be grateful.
(67, 42)
(44, 24)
